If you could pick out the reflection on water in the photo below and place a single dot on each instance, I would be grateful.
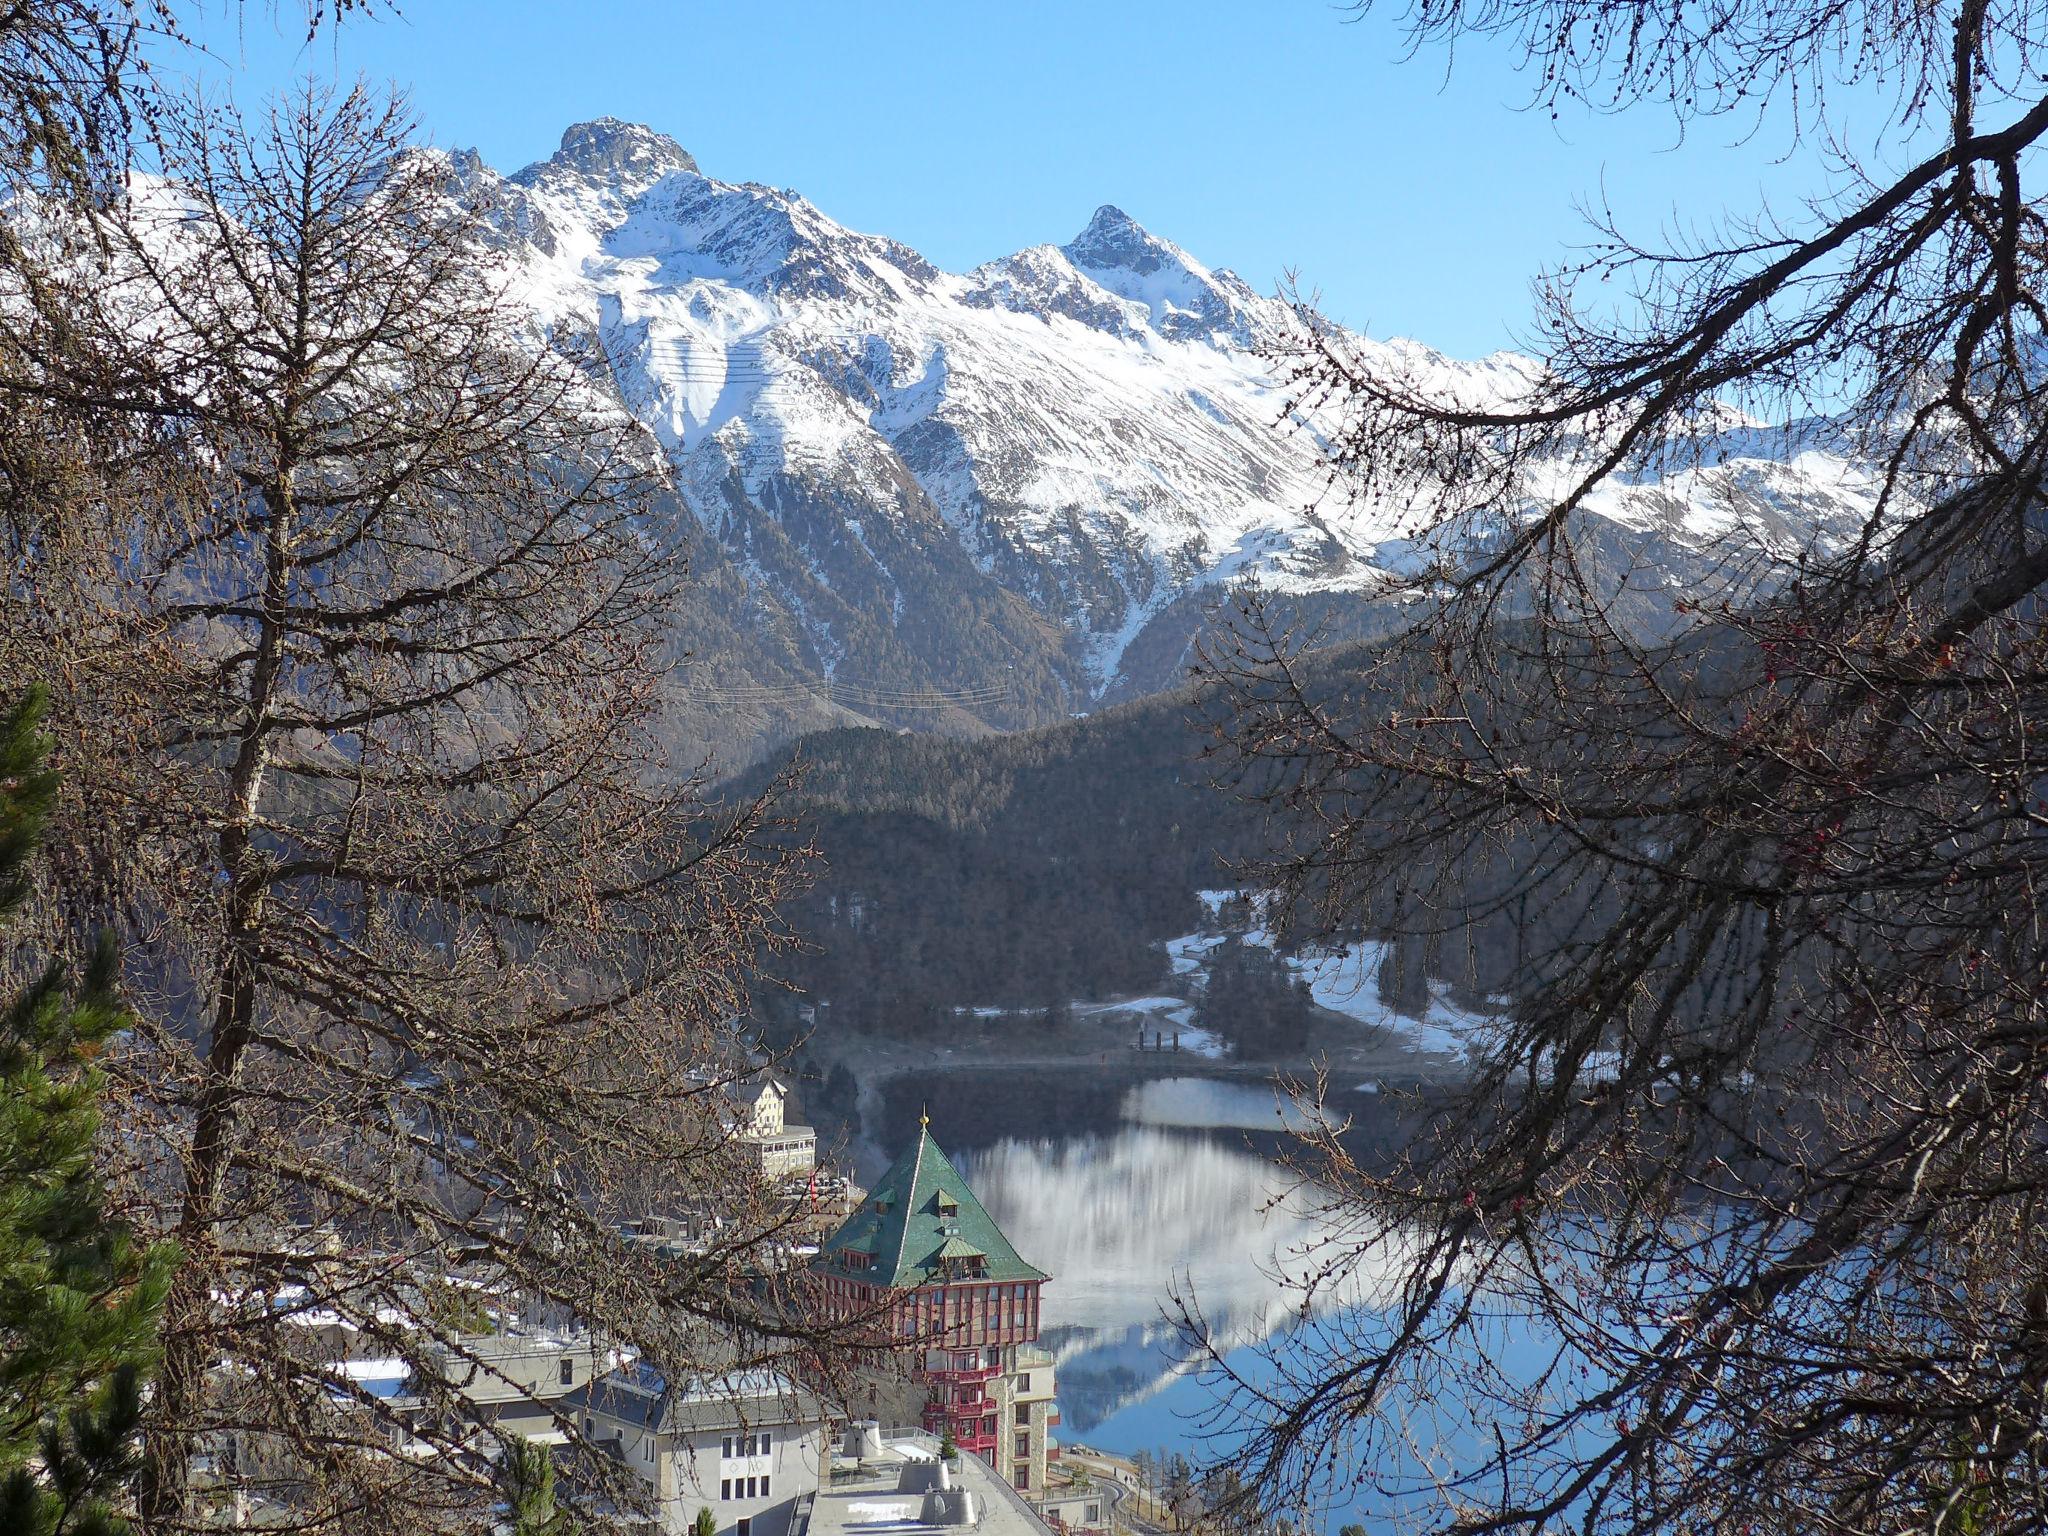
(1208, 1104)
(1124, 1220)
(1121, 1220)
(1172, 1197)
(1116, 1219)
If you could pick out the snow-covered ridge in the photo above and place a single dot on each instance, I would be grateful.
(1072, 437)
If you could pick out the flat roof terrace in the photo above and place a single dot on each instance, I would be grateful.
(890, 1491)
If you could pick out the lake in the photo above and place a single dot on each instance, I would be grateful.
(1165, 1185)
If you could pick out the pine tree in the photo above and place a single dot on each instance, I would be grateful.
(78, 1300)
(1400, 982)
(530, 1491)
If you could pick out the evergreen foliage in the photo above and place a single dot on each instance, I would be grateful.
(1029, 870)
(837, 1098)
(1016, 871)
(530, 1491)
(79, 1300)
(1256, 1003)
(1400, 981)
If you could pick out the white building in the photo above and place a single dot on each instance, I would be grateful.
(747, 1446)
(781, 1151)
(893, 1483)
(515, 1380)
(1030, 1412)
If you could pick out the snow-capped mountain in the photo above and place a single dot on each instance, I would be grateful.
(998, 497)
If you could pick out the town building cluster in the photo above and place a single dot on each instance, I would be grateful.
(951, 1308)
(948, 1296)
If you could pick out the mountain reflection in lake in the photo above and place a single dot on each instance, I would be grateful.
(1170, 1186)
(1124, 1218)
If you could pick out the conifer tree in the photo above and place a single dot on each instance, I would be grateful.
(530, 1480)
(453, 952)
(79, 1300)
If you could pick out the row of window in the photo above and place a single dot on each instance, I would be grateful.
(742, 1488)
(943, 1310)
(745, 1445)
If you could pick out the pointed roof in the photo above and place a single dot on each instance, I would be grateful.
(920, 1217)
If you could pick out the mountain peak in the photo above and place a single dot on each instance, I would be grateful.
(631, 156)
(1110, 218)
(1114, 239)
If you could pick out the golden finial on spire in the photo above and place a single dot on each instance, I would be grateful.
(924, 1120)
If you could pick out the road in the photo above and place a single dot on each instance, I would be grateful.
(1119, 1481)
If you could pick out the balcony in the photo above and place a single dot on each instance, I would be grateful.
(958, 1375)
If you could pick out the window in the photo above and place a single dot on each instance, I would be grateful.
(764, 1442)
(725, 1449)
(1023, 1478)
(1093, 1514)
(1024, 1443)
(750, 1487)
(988, 1425)
(1024, 1384)
(1024, 1409)
(746, 1528)
(764, 1487)
(724, 1489)
(568, 1372)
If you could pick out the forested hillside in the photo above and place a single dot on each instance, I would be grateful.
(1017, 870)
(1038, 868)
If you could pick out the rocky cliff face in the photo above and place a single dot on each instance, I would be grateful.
(988, 499)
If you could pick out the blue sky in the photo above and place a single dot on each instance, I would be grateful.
(1265, 135)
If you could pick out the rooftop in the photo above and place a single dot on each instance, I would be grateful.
(866, 1497)
(922, 1225)
(639, 1394)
